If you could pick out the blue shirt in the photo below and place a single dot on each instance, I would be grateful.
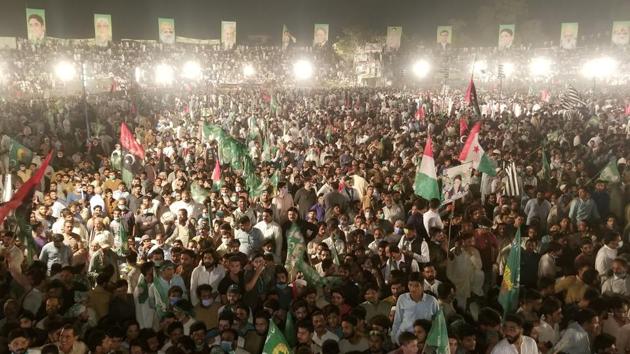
(250, 241)
(50, 255)
(583, 210)
(408, 311)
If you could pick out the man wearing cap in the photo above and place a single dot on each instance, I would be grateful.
(158, 291)
(104, 257)
(55, 252)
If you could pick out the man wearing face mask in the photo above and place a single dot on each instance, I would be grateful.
(619, 282)
(158, 291)
(207, 308)
(207, 272)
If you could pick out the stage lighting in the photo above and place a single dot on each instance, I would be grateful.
(65, 71)
(249, 70)
(303, 70)
(479, 68)
(508, 69)
(192, 70)
(599, 68)
(163, 74)
(540, 67)
(421, 69)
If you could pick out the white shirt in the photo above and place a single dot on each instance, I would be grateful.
(528, 346)
(200, 275)
(548, 333)
(272, 231)
(604, 259)
(431, 219)
(326, 336)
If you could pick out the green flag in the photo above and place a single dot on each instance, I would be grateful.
(275, 342)
(508, 296)
(18, 153)
(295, 246)
(438, 335)
(275, 178)
(610, 173)
(289, 330)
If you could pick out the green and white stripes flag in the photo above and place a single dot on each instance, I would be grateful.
(508, 295)
(610, 173)
(426, 185)
(437, 338)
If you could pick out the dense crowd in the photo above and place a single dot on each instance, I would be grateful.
(181, 260)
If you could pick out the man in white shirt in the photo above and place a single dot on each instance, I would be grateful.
(515, 342)
(576, 338)
(549, 326)
(431, 218)
(606, 254)
(193, 209)
(271, 231)
(207, 272)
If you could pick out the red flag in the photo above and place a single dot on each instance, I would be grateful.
(628, 109)
(216, 174)
(19, 196)
(463, 126)
(545, 96)
(471, 97)
(129, 142)
(420, 112)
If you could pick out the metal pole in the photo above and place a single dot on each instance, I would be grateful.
(85, 103)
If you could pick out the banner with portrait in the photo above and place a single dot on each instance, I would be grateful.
(394, 33)
(36, 24)
(444, 35)
(287, 37)
(568, 35)
(320, 34)
(228, 33)
(456, 182)
(102, 29)
(166, 28)
(506, 36)
(621, 32)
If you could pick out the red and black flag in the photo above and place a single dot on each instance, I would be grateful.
(132, 154)
(471, 97)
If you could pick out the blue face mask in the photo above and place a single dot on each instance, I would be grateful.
(226, 346)
(174, 300)
(281, 285)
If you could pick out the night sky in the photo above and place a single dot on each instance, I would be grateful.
(137, 19)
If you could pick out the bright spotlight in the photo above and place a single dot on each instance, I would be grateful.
(479, 67)
(421, 68)
(303, 69)
(540, 66)
(248, 70)
(508, 69)
(65, 71)
(163, 74)
(599, 68)
(192, 70)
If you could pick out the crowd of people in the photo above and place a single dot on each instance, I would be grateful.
(333, 245)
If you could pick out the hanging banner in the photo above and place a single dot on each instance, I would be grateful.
(444, 35)
(287, 37)
(36, 24)
(456, 182)
(228, 34)
(568, 35)
(320, 34)
(166, 28)
(621, 32)
(8, 43)
(506, 36)
(393, 37)
(102, 29)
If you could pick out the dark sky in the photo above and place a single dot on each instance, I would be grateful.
(201, 18)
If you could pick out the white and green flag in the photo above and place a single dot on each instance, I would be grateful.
(426, 185)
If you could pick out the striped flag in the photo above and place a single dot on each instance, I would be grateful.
(512, 185)
(571, 99)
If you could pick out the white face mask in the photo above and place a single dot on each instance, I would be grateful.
(238, 188)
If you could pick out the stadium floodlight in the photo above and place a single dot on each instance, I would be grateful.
(479, 68)
(508, 69)
(163, 74)
(421, 68)
(303, 69)
(249, 70)
(599, 68)
(192, 70)
(65, 71)
(540, 66)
